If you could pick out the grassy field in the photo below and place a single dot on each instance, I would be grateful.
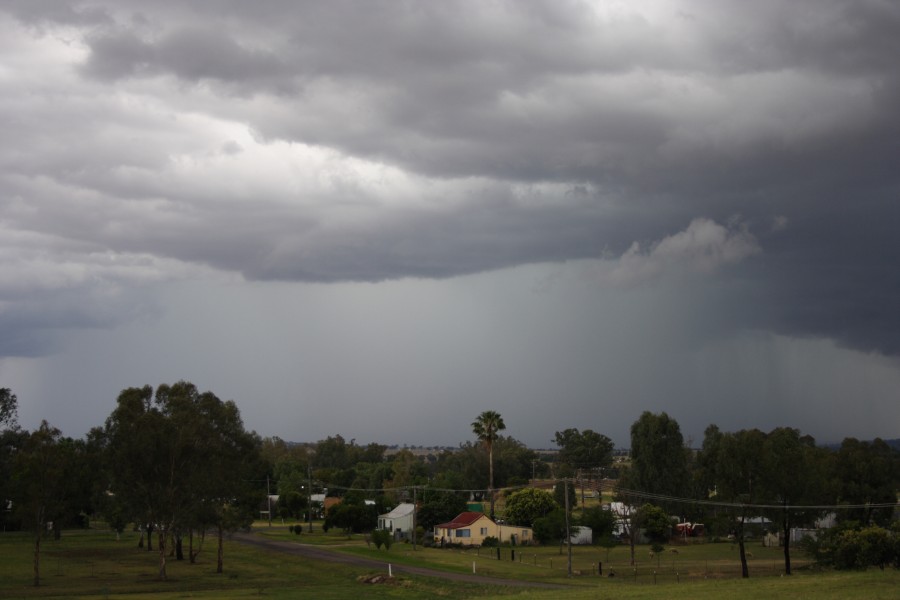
(92, 564)
(677, 564)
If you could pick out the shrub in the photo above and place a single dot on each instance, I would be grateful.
(851, 547)
(490, 542)
(381, 537)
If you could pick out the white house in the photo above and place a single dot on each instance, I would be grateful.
(399, 521)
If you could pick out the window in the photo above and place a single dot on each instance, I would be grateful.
(463, 533)
(483, 531)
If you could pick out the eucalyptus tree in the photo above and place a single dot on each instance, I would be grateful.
(658, 457)
(867, 474)
(180, 459)
(10, 440)
(9, 405)
(225, 487)
(486, 428)
(583, 450)
(39, 483)
(741, 475)
(150, 461)
(795, 476)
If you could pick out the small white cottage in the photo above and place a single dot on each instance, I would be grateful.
(399, 521)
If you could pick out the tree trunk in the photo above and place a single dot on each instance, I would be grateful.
(191, 546)
(195, 554)
(220, 552)
(631, 537)
(745, 571)
(37, 556)
(161, 542)
(786, 529)
(179, 547)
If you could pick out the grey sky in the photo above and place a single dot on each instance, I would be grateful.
(379, 219)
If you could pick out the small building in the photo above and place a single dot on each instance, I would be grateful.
(581, 536)
(471, 528)
(399, 521)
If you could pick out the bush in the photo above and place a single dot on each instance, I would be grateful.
(854, 548)
(381, 537)
(490, 542)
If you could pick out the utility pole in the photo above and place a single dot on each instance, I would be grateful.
(568, 533)
(269, 500)
(309, 494)
(414, 519)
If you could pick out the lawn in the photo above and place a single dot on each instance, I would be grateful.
(92, 564)
(680, 563)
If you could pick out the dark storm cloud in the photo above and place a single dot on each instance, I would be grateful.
(192, 54)
(509, 133)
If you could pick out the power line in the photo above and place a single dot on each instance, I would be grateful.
(632, 493)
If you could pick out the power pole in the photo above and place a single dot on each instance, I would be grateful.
(269, 500)
(309, 494)
(568, 533)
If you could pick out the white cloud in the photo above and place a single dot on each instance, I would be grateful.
(702, 248)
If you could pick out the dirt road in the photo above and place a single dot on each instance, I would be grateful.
(321, 553)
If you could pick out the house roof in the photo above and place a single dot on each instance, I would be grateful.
(401, 511)
(463, 520)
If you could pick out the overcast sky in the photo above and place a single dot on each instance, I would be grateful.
(379, 219)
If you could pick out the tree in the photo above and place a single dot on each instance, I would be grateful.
(439, 507)
(406, 470)
(658, 456)
(795, 475)
(740, 479)
(9, 406)
(486, 427)
(292, 505)
(551, 529)
(563, 488)
(582, 451)
(11, 440)
(602, 522)
(39, 475)
(351, 516)
(514, 461)
(225, 483)
(182, 459)
(527, 505)
(867, 473)
(655, 522)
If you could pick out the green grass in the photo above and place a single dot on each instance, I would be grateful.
(92, 564)
(691, 562)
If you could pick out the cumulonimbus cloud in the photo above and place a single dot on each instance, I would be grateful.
(702, 248)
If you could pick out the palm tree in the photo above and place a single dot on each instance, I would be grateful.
(486, 427)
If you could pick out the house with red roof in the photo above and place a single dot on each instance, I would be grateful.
(471, 528)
